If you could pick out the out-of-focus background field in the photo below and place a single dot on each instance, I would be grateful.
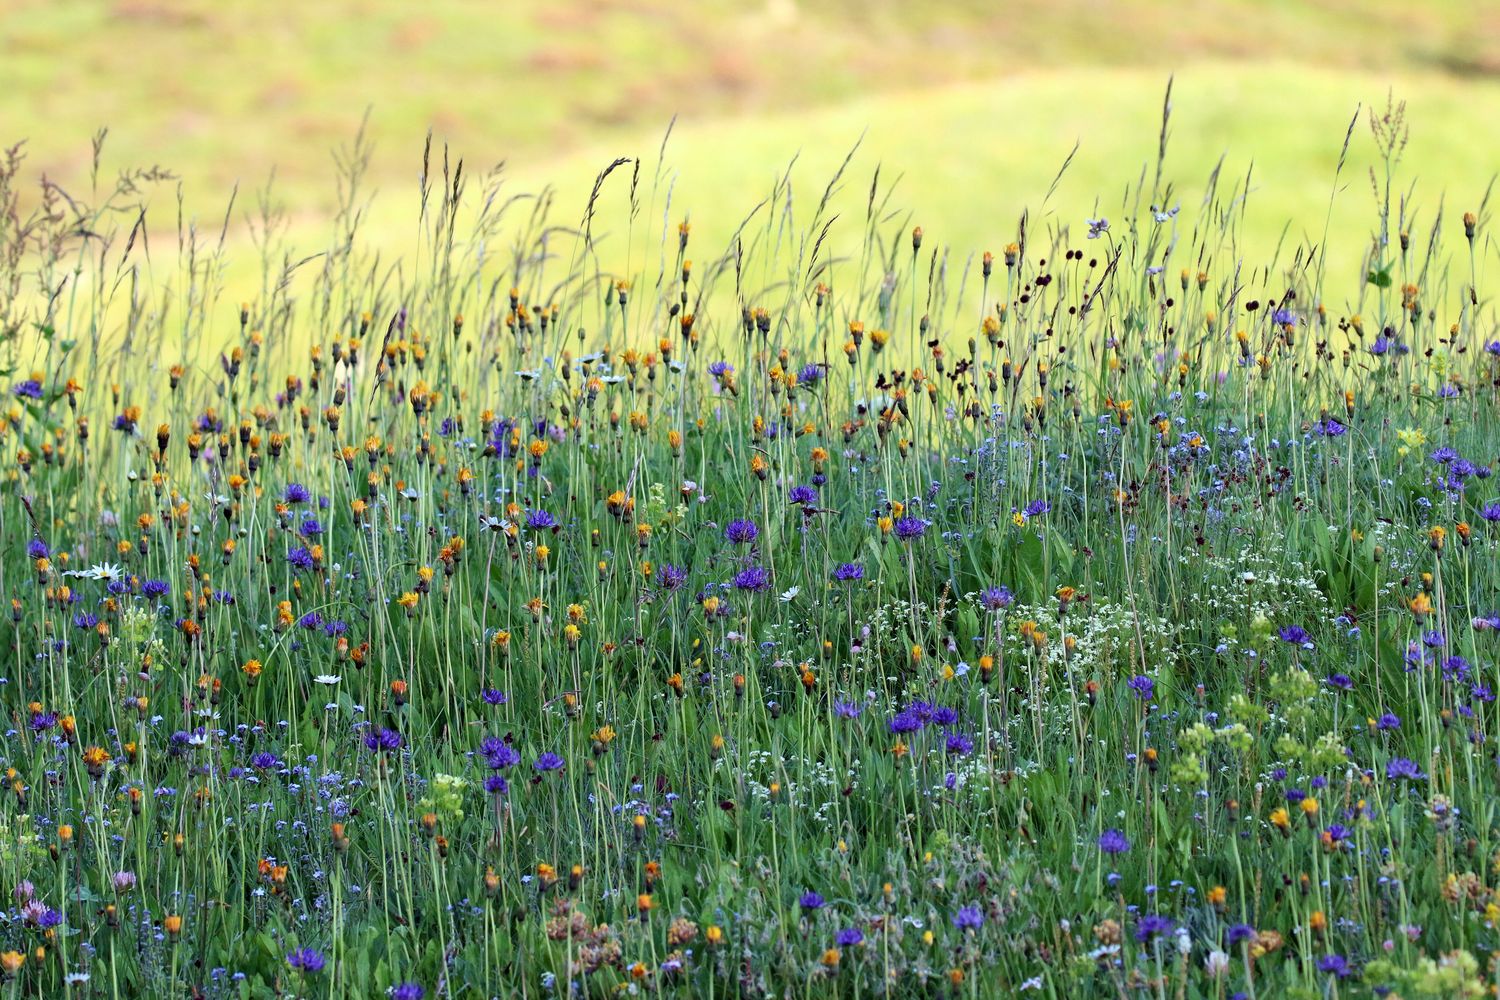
(974, 106)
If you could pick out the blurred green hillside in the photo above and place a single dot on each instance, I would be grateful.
(973, 106)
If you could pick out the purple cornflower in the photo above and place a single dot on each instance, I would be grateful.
(906, 722)
(671, 577)
(1113, 842)
(1341, 682)
(910, 528)
(1239, 933)
(29, 389)
(959, 745)
(1296, 635)
(848, 572)
(549, 761)
(752, 578)
(1150, 926)
(306, 960)
(1143, 686)
(810, 901)
(847, 709)
(382, 738)
(264, 761)
(944, 715)
(1403, 769)
(408, 991)
(496, 785)
(493, 696)
(742, 532)
(296, 493)
(968, 918)
(1036, 508)
(300, 557)
(803, 495)
(1336, 965)
(849, 937)
(540, 520)
(996, 598)
(498, 754)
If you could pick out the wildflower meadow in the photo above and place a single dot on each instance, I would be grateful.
(825, 612)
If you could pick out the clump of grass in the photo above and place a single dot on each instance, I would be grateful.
(1112, 613)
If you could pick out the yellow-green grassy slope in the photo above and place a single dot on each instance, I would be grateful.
(973, 108)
